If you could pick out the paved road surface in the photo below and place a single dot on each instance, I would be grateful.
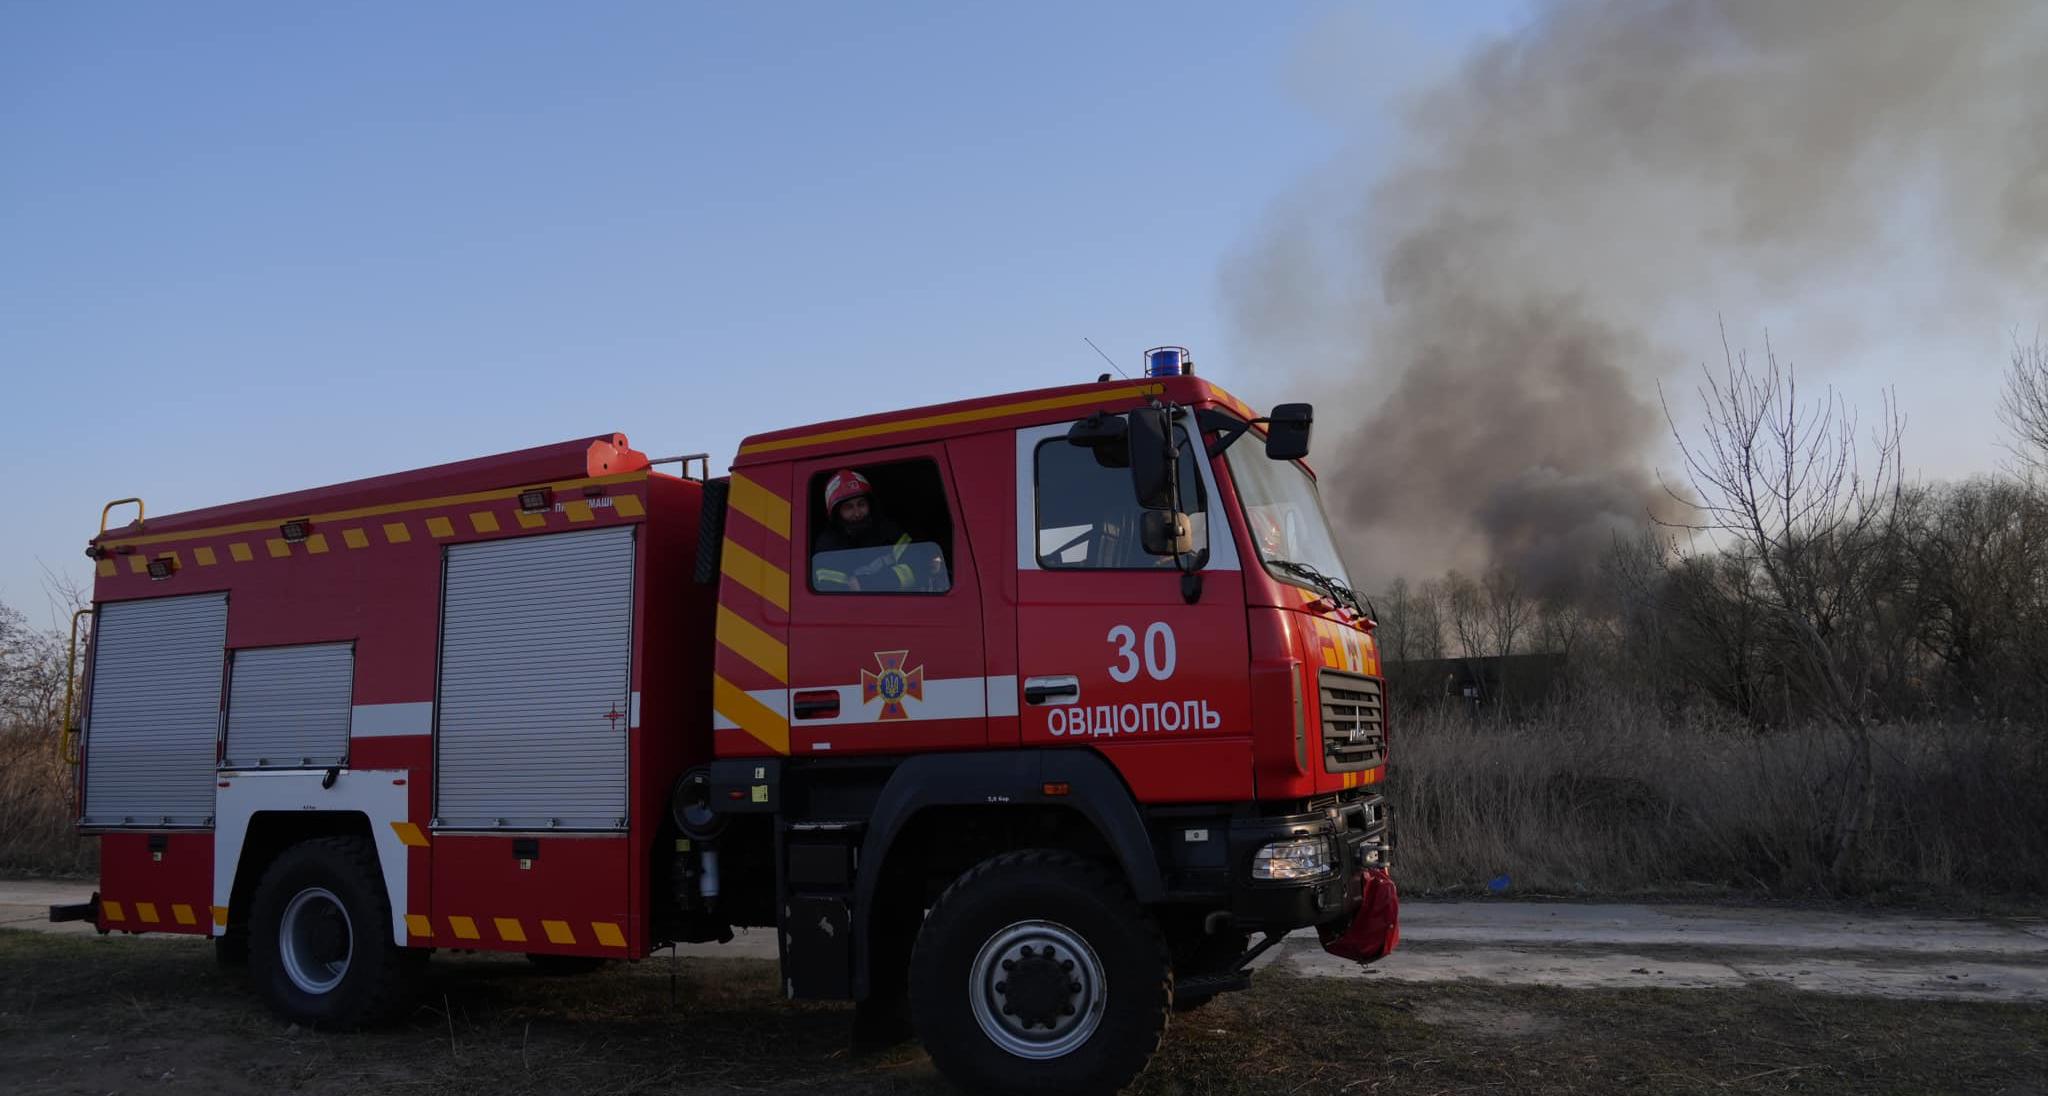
(1585, 945)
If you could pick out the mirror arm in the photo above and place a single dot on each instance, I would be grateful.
(1228, 429)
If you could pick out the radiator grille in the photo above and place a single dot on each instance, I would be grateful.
(1354, 722)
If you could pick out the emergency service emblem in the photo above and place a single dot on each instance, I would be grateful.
(893, 684)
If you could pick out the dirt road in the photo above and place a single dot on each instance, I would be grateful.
(1586, 946)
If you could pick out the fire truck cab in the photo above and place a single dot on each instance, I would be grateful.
(1017, 719)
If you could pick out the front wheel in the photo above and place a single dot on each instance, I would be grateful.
(1037, 972)
(320, 937)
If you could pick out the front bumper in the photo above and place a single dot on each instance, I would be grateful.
(1354, 907)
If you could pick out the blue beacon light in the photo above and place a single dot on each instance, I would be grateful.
(1168, 361)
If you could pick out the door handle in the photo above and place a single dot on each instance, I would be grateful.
(816, 704)
(1059, 689)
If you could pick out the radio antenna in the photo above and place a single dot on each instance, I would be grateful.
(1112, 362)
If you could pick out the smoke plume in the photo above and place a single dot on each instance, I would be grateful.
(1560, 220)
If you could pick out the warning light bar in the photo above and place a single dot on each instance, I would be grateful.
(1169, 361)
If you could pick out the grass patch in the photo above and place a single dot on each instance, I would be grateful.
(89, 1015)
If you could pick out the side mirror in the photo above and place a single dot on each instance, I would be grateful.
(1166, 533)
(1287, 430)
(1103, 435)
(1153, 456)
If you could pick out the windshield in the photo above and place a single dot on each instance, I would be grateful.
(1283, 514)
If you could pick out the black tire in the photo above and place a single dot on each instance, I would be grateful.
(565, 965)
(950, 982)
(344, 912)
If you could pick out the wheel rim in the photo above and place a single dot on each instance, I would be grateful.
(316, 940)
(1038, 989)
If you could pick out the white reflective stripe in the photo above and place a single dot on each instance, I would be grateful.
(388, 720)
(776, 700)
(634, 720)
(380, 794)
(720, 723)
(944, 698)
(1002, 695)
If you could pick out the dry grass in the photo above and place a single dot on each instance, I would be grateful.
(84, 1015)
(1597, 797)
(36, 835)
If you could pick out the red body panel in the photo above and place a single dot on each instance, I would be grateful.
(574, 898)
(165, 890)
(370, 573)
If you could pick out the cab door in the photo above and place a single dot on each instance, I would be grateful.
(1113, 654)
(892, 661)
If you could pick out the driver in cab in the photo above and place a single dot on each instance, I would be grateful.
(859, 549)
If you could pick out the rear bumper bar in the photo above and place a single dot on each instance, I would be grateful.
(77, 911)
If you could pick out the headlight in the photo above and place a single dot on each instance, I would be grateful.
(1298, 859)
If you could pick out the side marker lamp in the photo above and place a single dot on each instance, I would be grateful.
(536, 499)
(296, 530)
(161, 568)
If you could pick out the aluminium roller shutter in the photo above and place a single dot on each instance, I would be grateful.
(288, 706)
(536, 643)
(153, 722)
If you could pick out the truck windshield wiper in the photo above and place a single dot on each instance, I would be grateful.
(1339, 593)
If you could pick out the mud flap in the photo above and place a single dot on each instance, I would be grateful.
(1375, 929)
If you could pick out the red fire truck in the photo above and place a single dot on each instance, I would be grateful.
(1024, 761)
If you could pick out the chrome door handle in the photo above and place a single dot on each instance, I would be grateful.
(1058, 689)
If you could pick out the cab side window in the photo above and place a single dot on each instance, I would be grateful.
(1087, 513)
(881, 529)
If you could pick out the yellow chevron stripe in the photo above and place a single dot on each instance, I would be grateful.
(463, 927)
(950, 418)
(608, 934)
(558, 932)
(419, 925)
(755, 573)
(409, 834)
(183, 914)
(112, 910)
(740, 636)
(753, 717)
(509, 930)
(768, 509)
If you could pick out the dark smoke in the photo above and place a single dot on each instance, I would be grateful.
(1611, 176)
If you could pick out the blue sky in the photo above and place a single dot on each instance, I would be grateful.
(252, 248)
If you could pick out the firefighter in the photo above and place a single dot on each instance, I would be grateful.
(859, 548)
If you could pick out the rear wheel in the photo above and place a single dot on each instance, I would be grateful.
(1037, 972)
(320, 937)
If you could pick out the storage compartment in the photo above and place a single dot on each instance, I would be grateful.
(288, 707)
(535, 693)
(153, 719)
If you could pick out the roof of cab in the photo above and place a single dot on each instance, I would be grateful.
(1004, 412)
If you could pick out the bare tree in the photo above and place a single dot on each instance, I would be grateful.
(1396, 622)
(1426, 634)
(1465, 604)
(1508, 609)
(2023, 407)
(1781, 483)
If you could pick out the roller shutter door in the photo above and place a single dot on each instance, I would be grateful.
(154, 718)
(288, 706)
(536, 642)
